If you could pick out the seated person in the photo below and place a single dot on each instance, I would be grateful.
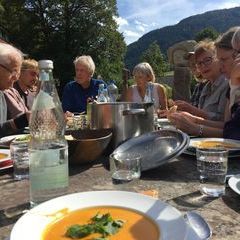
(10, 64)
(145, 89)
(202, 127)
(212, 100)
(77, 93)
(26, 84)
(232, 127)
(200, 81)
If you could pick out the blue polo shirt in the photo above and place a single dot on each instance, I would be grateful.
(75, 97)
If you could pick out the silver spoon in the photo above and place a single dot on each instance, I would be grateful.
(198, 224)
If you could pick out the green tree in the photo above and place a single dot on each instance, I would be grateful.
(63, 29)
(206, 33)
(155, 58)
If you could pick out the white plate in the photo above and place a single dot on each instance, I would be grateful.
(8, 139)
(163, 120)
(234, 183)
(5, 162)
(235, 143)
(7, 152)
(170, 221)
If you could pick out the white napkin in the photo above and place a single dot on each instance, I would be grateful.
(3, 108)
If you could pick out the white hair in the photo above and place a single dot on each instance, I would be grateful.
(86, 61)
(8, 53)
(236, 40)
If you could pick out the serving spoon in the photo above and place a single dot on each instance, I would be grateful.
(198, 224)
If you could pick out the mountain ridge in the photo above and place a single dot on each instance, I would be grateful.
(220, 20)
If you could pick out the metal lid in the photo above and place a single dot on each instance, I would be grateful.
(45, 64)
(155, 148)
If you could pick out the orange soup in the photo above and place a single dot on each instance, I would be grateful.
(3, 155)
(214, 144)
(137, 226)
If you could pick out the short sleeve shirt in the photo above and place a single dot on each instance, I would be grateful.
(213, 98)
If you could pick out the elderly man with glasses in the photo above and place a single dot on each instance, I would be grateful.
(12, 118)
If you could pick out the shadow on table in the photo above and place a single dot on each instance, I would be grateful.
(11, 215)
(232, 200)
(174, 171)
(192, 201)
(76, 169)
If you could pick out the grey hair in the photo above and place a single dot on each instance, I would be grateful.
(8, 53)
(86, 61)
(236, 40)
(146, 69)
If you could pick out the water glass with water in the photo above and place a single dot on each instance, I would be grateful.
(80, 121)
(125, 169)
(212, 166)
(20, 157)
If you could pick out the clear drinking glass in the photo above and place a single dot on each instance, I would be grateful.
(212, 166)
(125, 169)
(20, 157)
(80, 121)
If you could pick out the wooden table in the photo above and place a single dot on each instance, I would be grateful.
(176, 183)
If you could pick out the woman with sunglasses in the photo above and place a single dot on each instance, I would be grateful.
(212, 100)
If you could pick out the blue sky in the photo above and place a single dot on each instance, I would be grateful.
(138, 17)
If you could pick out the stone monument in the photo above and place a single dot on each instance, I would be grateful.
(182, 73)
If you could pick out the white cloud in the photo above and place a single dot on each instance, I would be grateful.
(140, 28)
(147, 15)
(129, 33)
(121, 21)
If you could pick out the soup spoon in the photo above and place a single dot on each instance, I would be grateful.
(199, 225)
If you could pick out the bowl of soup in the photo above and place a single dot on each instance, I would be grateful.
(144, 217)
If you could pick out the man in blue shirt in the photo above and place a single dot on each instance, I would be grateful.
(77, 93)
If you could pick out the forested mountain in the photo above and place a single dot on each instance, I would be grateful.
(220, 20)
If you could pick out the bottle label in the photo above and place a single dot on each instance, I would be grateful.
(48, 169)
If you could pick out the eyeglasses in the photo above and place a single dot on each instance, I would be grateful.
(235, 53)
(14, 73)
(206, 62)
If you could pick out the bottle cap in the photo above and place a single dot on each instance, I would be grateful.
(45, 64)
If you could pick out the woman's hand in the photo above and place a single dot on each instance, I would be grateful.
(68, 115)
(184, 122)
(184, 106)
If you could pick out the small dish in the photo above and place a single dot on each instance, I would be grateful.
(234, 183)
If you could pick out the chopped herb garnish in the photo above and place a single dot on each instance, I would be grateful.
(104, 224)
(24, 138)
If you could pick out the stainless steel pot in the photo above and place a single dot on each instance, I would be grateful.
(124, 118)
